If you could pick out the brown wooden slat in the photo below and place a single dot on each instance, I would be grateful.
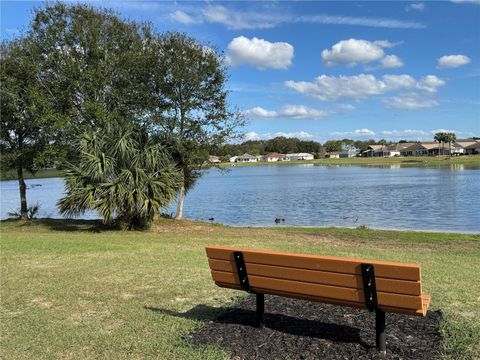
(392, 270)
(320, 277)
(320, 290)
(326, 300)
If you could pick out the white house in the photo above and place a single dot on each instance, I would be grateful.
(214, 159)
(246, 158)
(299, 156)
(233, 159)
(274, 156)
(473, 148)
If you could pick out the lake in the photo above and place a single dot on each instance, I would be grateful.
(440, 199)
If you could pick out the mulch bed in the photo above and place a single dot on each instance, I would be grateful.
(296, 329)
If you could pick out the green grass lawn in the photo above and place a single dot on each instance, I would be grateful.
(73, 290)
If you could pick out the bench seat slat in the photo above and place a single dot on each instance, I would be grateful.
(320, 290)
(320, 277)
(384, 269)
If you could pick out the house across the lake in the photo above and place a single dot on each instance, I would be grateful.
(245, 158)
(299, 156)
(214, 159)
(332, 155)
(273, 156)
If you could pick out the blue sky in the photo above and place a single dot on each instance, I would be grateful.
(329, 70)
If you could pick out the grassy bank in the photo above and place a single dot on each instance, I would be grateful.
(471, 161)
(75, 290)
(46, 173)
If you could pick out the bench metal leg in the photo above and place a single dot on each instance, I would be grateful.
(380, 330)
(260, 310)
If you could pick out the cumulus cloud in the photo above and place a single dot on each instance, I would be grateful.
(331, 88)
(352, 52)
(452, 61)
(259, 53)
(288, 111)
(391, 61)
(411, 101)
(415, 6)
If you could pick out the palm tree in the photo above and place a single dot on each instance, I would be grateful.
(450, 138)
(122, 175)
(441, 137)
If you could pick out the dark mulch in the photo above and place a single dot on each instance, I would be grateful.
(296, 329)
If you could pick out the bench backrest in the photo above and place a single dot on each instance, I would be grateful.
(327, 279)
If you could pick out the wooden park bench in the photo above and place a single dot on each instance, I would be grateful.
(380, 286)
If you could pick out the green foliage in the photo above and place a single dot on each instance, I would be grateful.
(32, 212)
(122, 175)
(29, 120)
(94, 62)
(189, 109)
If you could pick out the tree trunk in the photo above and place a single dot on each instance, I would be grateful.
(23, 194)
(181, 199)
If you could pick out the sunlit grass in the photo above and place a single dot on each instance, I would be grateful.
(77, 290)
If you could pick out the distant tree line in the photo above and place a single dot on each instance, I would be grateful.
(286, 145)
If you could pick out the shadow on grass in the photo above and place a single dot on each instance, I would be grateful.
(68, 225)
(233, 318)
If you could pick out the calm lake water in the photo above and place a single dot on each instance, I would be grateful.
(442, 199)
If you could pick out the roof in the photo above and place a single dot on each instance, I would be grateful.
(273, 155)
(466, 143)
(375, 147)
(247, 156)
(475, 145)
(300, 154)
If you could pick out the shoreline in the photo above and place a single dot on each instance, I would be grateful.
(189, 222)
(410, 161)
(469, 161)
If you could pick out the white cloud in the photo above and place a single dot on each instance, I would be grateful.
(391, 61)
(452, 61)
(182, 17)
(415, 6)
(297, 134)
(261, 16)
(411, 101)
(407, 133)
(477, 2)
(260, 53)
(288, 111)
(252, 135)
(360, 21)
(362, 86)
(237, 20)
(259, 112)
(359, 133)
(430, 83)
(353, 51)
